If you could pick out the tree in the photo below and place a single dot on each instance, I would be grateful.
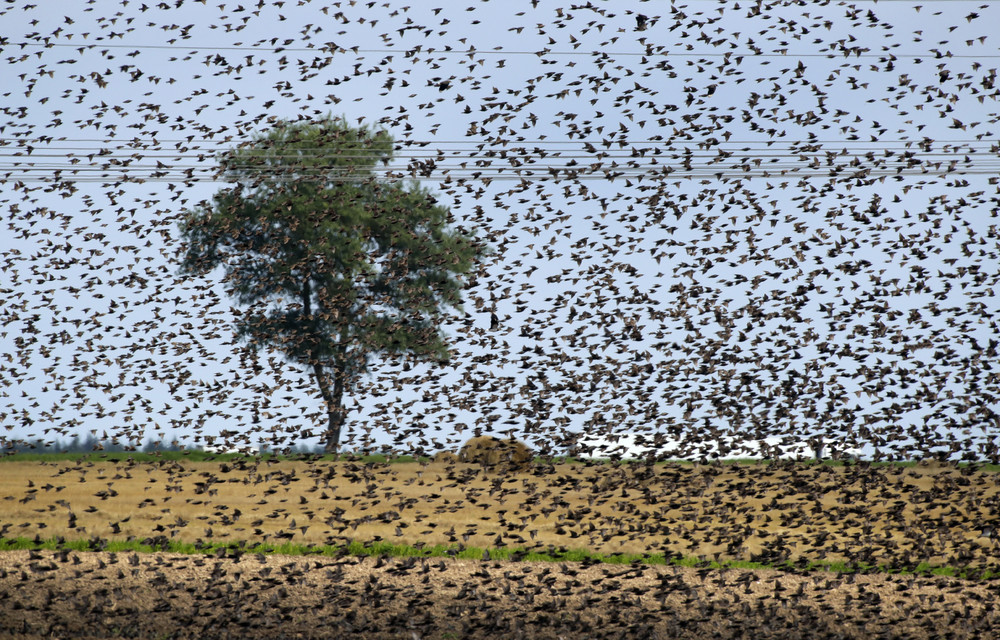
(335, 265)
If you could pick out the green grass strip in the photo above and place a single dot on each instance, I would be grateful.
(193, 455)
(506, 554)
(196, 456)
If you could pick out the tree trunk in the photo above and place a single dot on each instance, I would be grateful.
(333, 399)
(334, 406)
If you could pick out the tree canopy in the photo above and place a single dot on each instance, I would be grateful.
(335, 265)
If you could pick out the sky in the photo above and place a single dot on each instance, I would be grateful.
(766, 220)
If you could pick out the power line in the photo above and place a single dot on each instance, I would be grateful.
(855, 52)
(24, 161)
(26, 157)
(140, 174)
(606, 148)
(438, 141)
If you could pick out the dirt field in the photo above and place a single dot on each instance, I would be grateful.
(884, 514)
(891, 515)
(60, 595)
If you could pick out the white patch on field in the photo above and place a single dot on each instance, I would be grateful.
(723, 448)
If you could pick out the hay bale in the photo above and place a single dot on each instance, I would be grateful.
(445, 457)
(491, 451)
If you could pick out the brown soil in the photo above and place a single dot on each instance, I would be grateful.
(49, 594)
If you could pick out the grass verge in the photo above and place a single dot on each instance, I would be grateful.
(196, 456)
(385, 549)
(193, 455)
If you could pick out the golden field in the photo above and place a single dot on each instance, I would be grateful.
(902, 516)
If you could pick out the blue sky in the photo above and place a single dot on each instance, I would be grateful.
(776, 222)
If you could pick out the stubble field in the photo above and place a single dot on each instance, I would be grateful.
(891, 516)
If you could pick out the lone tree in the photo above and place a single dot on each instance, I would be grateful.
(335, 265)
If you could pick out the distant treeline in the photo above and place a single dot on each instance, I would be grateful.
(91, 443)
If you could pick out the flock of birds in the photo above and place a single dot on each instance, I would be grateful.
(421, 599)
(754, 220)
(727, 228)
(890, 515)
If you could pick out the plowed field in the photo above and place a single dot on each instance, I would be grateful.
(877, 515)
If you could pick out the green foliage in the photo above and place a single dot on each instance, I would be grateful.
(336, 264)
